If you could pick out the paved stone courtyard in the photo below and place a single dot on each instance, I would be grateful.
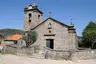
(12, 59)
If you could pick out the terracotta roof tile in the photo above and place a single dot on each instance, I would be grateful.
(14, 37)
(1, 45)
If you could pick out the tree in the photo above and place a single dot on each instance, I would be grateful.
(89, 35)
(1, 36)
(30, 37)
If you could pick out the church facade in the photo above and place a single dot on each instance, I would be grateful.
(51, 32)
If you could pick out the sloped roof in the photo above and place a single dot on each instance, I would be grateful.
(53, 20)
(14, 37)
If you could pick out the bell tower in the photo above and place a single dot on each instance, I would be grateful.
(32, 17)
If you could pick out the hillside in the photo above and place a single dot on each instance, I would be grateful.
(8, 32)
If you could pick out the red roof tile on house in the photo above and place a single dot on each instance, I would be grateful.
(14, 37)
(1, 45)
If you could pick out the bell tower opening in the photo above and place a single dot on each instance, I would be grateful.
(38, 16)
(32, 17)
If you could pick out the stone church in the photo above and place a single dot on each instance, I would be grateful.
(52, 33)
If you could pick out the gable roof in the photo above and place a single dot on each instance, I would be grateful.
(53, 20)
(14, 37)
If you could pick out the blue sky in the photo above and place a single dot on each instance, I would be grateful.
(81, 11)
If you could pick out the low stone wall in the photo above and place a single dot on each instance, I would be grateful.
(84, 54)
(22, 51)
(46, 53)
(57, 54)
(10, 49)
(70, 55)
(25, 51)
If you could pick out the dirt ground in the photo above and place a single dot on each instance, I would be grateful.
(12, 59)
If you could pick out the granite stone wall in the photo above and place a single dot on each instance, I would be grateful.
(84, 54)
(51, 54)
(57, 54)
(10, 49)
(70, 55)
(62, 39)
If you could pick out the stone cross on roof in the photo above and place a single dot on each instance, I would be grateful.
(34, 4)
(50, 14)
(71, 21)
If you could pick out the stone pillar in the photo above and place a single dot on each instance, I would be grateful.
(73, 37)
